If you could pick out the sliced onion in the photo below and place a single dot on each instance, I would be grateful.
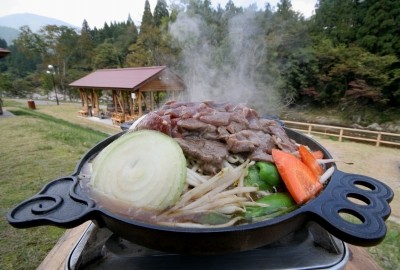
(145, 169)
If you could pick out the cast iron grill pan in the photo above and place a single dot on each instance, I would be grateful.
(62, 202)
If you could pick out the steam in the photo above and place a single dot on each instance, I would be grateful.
(230, 70)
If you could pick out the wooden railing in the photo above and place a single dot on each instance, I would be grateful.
(377, 137)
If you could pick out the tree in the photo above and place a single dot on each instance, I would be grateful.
(3, 43)
(106, 56)
(5, 83)
(3, 66)
(351, 56)
(348, 73)
(379, 30)
(106, 33)
(287, 37)
(85, 47)
(285, 10)
(61, 45)
(147, 18)
(337, 20)
(160, 12)
(138, 55)
(27, 53)
(152, 45)
(31, 44)
(351, 75)
(127, 37)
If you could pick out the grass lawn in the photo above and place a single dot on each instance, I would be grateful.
(387, 253)
(34, 149)
(44, 144)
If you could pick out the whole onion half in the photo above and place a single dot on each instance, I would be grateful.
(144, 169)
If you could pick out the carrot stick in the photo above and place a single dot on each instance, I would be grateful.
(318, 154)
(300, 181)
(311, 162)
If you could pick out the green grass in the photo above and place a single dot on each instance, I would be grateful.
(35, 148)
(57, 129)
(387, 253)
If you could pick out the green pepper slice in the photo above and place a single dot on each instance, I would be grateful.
(269, 173)
(253, 179)
(277, 204)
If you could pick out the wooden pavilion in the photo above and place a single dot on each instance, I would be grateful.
(134, 91)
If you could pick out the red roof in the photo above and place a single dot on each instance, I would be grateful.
(121, 78)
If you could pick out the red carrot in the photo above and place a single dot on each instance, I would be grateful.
(308, 158)
(300, 181)
(318, 154)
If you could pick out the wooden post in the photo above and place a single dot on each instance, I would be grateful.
(309, 130)
(131, 105)
(96, 102)
(115, 100)
(86, 101)
(122, 102)
(135, 102)
(378, 139)
(92, 103)
(151, 101)
(140, 103)
(340, 135)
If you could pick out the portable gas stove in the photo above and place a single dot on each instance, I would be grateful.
(308, 248)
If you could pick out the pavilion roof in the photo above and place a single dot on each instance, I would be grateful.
(121, 78)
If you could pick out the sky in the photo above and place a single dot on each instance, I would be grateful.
(97, 12)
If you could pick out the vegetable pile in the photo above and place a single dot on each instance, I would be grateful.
(148, 170)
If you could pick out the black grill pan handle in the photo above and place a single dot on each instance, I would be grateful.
(354, 208)
(59, 203)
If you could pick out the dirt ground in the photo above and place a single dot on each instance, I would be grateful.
(381, 163)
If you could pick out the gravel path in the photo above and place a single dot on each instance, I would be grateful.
(381, 163)
(6, 114)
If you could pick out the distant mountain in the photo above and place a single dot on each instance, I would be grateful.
(35, 22)
(8, 34)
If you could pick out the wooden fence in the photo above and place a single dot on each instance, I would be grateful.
(376, 137)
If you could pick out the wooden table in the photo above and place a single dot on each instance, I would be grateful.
(359, 258)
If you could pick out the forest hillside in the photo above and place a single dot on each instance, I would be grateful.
(345, 57)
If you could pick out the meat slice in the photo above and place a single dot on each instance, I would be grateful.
(223, 133)
(212, 153)
(235, 127)
(216, 119)
(264, 124)
(243, 141)
(175, 104)
(282, 140)
(155, 122)
(192, 127)
(191, 124)
(260, 155)
(258, 144)
(240, 118)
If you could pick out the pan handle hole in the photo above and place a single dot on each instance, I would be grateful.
(363, 185)
(358, 199)
(351, 216)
